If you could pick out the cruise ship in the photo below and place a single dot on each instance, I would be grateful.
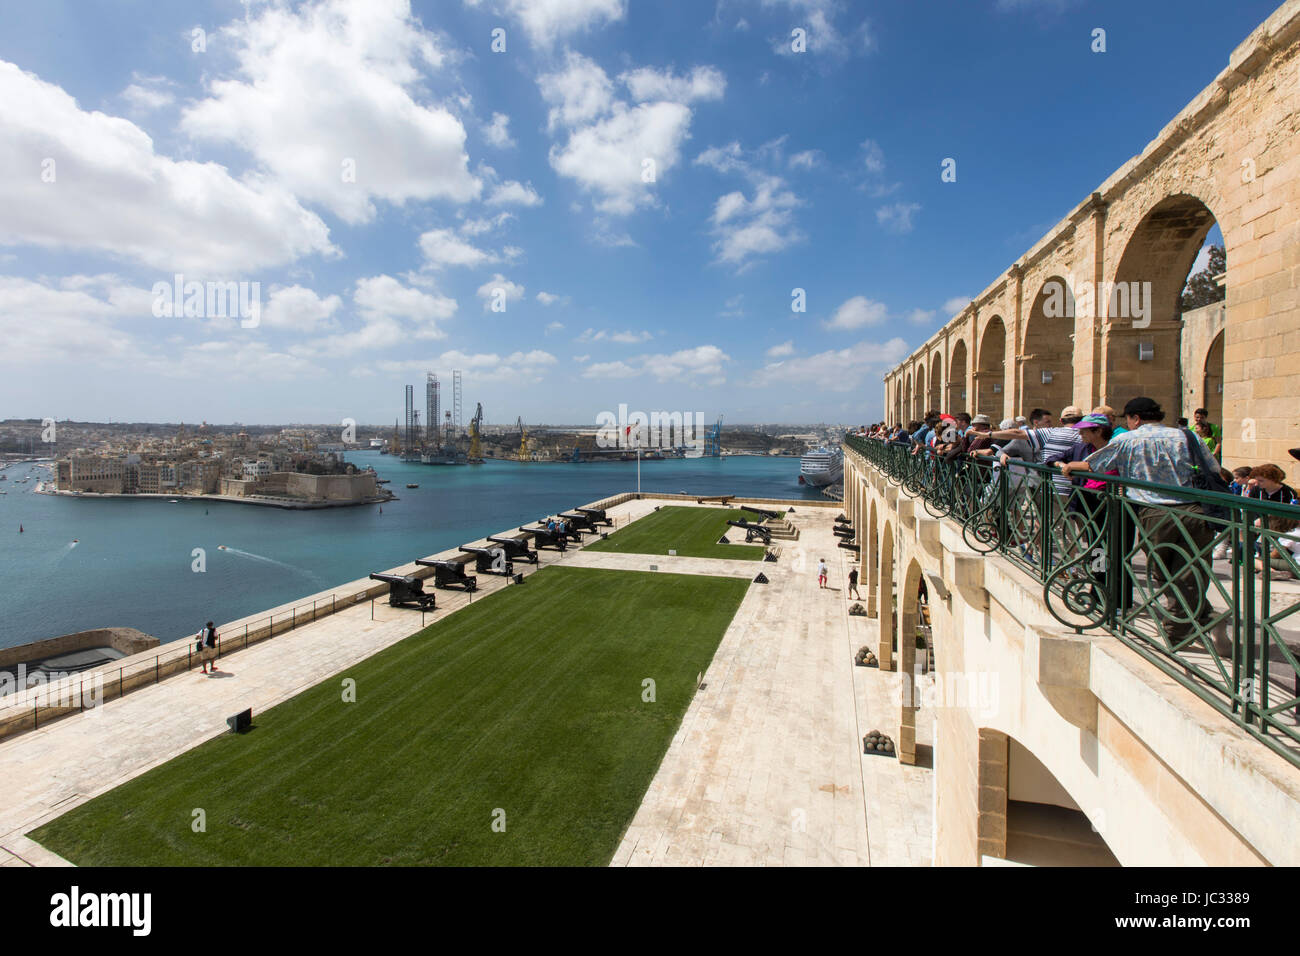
(822, 467)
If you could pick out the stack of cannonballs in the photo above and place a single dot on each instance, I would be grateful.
(878, 743)
(865, 658)
(857, 610)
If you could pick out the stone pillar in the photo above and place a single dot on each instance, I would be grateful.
(1011, 385)
(993, 777)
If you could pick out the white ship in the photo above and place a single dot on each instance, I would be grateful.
(822, 467)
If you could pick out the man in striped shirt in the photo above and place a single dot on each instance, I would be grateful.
(1049, 444)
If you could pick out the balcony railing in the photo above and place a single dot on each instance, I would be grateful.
(1226, 629)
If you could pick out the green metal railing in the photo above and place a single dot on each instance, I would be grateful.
(1145, 573)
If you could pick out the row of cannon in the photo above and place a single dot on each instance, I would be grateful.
(407, 590)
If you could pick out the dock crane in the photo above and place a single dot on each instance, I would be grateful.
(523, 439)
(475, 432)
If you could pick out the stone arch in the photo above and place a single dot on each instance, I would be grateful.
(885, 591)
(1026, 815)
(1142, 306)
(1212, 383)
(990, 372)
(872, 565)
(1046, 356)
(907, 401)
(918, 408)
(908, 622)
(936, 395)
(956, 391)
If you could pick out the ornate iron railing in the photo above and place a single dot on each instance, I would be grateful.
(1146, 573)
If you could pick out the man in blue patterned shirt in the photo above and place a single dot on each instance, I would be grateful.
(1175, 533)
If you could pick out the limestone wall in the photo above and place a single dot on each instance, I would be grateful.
(1163, 777)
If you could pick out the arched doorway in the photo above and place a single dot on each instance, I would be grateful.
(1212, 387)
(957, 377)
(936, 383)
(885, 591)
(990, 373)
(1046, 357)
(1026, 816)
(919, 409)
(913, 618)
(1143, 307)
(873, 562)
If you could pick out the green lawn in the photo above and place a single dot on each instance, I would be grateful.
(691, 532)
(530, 701)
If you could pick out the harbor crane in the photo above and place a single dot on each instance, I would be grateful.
(523, 439)
(475, 433)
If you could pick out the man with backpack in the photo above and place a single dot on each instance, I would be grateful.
(1176, 532)
(207, 647)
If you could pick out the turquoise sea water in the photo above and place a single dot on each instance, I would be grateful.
(131, 565)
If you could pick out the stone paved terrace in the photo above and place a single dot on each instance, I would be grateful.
(766, 768)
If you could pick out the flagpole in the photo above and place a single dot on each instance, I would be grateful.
(638, 463)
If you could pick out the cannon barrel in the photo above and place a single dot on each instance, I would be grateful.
(761, 511)
(405, 591)
(516, 548)
(596, 514)
(753, 531)
(490, 560)
(447, 573)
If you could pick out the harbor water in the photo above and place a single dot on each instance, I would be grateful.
(83, 563)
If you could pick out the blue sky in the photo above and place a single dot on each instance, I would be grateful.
(386, 177)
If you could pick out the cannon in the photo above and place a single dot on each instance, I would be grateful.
(515, 548)
(490, 560)
(543, 537)
(450, 574)
(753, 531)
(843, 532)
(597, 516)
(760, 511)
(841, 519)
(578, 522)
(849, 546)
(405, 591)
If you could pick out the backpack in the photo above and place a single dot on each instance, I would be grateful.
(1203, 480)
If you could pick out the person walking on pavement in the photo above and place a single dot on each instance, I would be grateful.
(821, 572)
(208, 647)
(853, 584)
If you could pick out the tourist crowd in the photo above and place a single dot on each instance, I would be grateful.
(1135, 445)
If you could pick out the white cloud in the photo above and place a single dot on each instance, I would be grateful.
(746, 228)
(873, 157)
(897, 217)
(733, 308)
(824, 34)
(383, 297)
(615, 150)
(477, 227)
(42, 323)
(703, 83)
(299, 309)
(550, 298)
(629, 337)
(554, 327)
(782, 350)
(442, 247)
(114, 195)
(514, 193)
(921, 316)
(955, 305)
(499, 289)
(610, 370)
(701, 362)
(546, 21)
(805, 160)
(857, 312)
(330, 88)
(497, 132)
(838, 370)
(148, 93)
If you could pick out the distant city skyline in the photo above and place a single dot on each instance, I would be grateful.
(606, 202)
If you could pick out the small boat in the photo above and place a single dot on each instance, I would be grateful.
(173, 501)
(221, 547)
(411, 484)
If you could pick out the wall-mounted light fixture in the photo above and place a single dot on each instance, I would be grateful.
(1047, 377)
(1146, 351)
(997, 388)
